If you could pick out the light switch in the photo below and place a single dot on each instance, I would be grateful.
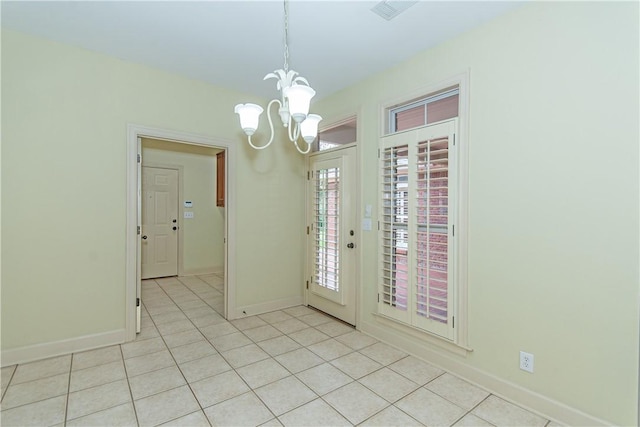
(188, 204)
(367, 211)
(366, 224)
(188, 214)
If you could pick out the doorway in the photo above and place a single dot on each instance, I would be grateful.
(332, 259)
(134, 210)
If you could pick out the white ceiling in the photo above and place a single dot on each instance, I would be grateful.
(235, 43)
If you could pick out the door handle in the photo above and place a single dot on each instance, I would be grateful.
(175, 228)
(351, 245)
(144, 237)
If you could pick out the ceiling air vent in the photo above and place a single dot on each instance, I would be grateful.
(391, 8)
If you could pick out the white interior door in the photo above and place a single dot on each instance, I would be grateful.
(332, 233)
(159, 222)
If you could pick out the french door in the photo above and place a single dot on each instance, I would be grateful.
(332, 233)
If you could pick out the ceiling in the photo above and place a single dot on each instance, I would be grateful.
(235, 43)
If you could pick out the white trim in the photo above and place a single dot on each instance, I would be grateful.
(132, 240)
(266, 307)
(202, 271)
(412, 332)
(339, 120)
(56, 348)
(527, 399)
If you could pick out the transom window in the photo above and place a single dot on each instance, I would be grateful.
(430, 109)
(337, 135)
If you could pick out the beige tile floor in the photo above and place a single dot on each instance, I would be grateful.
(294, 367)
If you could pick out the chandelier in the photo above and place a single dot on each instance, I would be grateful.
(295, 94)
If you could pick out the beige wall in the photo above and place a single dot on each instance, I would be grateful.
(64, 134)
(553, 217)
(202, 242)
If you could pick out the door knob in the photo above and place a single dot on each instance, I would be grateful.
(351, 245)
(175, 228)
(144, 237)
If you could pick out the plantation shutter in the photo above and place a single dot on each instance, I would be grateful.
(417, 207)
(395, 229)
(326, 271)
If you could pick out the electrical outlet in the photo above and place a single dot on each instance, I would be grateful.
(526, 361)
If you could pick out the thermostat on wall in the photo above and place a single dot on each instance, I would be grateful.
(188, 204)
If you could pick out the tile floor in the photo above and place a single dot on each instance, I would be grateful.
(294, 367)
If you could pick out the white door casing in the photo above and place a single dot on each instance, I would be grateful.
(332, 250)
(159, 222)
(138, 234)
(133, 236)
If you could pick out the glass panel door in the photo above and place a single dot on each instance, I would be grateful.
(332, 233)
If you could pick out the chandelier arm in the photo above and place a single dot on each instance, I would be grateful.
(270, 126)
(296, 132)
(294, 138)
(298, 147)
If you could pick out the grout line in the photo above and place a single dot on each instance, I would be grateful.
(475, 406)
(126, 374)
(9, 382)
(66, 405)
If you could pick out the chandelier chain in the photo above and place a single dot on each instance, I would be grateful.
(286, 37)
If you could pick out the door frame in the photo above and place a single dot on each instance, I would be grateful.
(132, 238)
(359, 238)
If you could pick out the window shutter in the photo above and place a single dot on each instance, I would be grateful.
(327, 228)
(417, 195)
(395, 232)
(432, 222)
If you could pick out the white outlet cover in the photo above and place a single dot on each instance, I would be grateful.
(526, 361)
(188, 214)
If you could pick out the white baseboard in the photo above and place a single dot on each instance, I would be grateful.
(57, 348)
(201, 271)
(252, 310)
(532, 401)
